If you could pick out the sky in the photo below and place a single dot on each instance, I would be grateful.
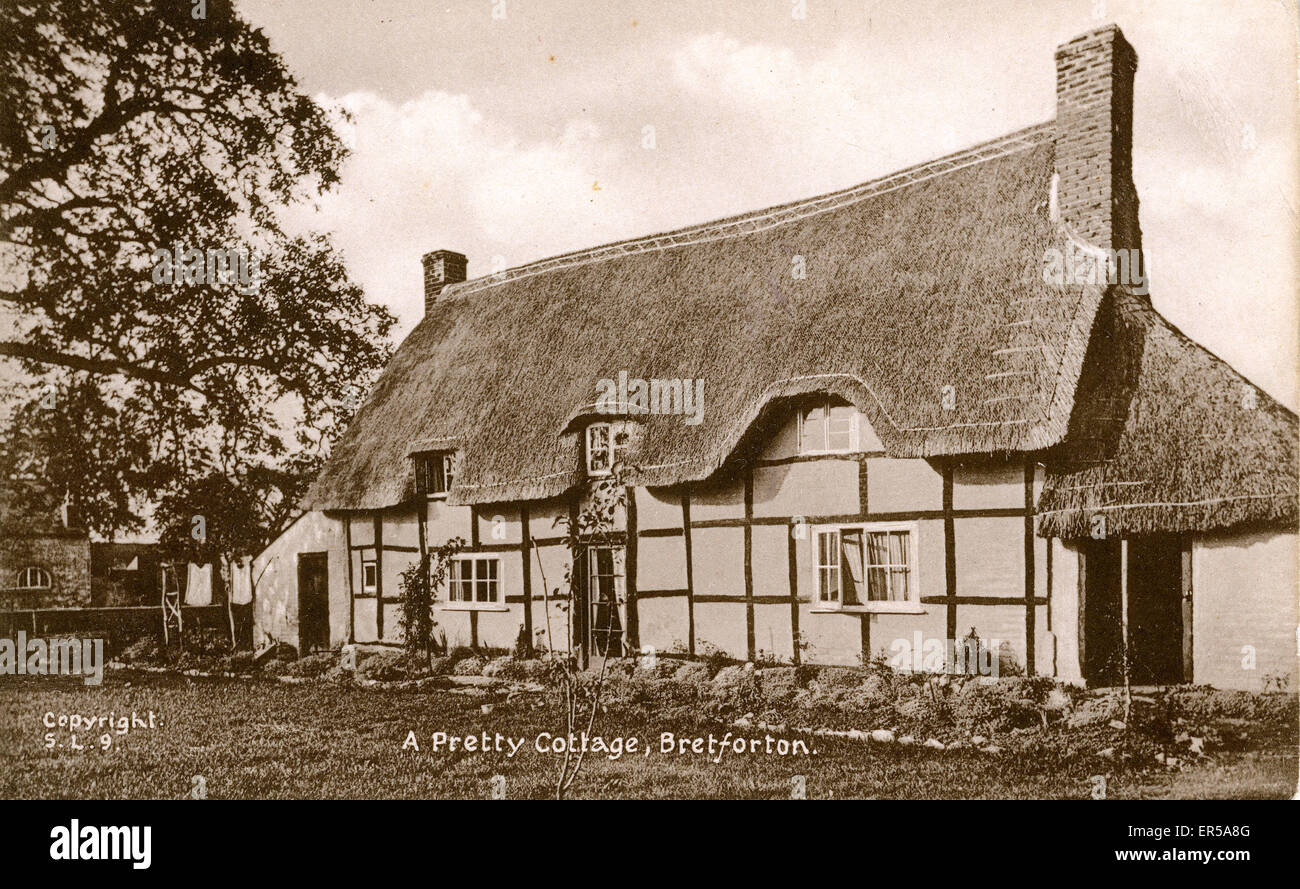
(512, 130)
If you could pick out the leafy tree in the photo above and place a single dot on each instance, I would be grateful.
(132, 134)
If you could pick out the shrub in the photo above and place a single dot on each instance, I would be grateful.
(504, 667)
(470, 666)
(384, 666)
(735, 689)
(312, 666)
(207, 642)
(778, 685)
(997, 706)
(693, 671)
(146, 648)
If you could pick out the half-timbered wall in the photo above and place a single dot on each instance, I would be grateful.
(729, 565)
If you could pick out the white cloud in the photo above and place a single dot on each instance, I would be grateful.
(433, 172)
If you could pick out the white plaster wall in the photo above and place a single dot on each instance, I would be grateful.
(1065, 611)
(275, 574)
(1244, 597)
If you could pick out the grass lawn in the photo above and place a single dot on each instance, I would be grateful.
(263, 739)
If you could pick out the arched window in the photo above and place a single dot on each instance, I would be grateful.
(34, 578)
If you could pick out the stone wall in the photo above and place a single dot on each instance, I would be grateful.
(66, 558)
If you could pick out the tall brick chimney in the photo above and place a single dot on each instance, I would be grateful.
(441, 268)
(1094, 138)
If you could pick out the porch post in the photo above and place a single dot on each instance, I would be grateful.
(1187, 581)
(1123, 623)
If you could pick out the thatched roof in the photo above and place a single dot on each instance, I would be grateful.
(926, 279)
(1167, 438)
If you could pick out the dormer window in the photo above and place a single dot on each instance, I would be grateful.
(606, 443)
(828, 426)
(435, 471)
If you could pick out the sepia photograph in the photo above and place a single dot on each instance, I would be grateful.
(726, 399)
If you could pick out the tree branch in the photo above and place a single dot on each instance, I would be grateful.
(105, 366)
(108, 366)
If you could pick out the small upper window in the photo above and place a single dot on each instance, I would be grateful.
(434, 473)
(606, 443)
(34, 578)
(369, 575)
(829, 426)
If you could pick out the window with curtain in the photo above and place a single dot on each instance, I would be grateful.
(605, 595)
(858, 565)
(369, 574)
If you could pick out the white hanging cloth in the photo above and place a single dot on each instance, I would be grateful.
(241, 582)
(198, 591)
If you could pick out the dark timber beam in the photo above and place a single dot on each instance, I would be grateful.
(690, 575)
(629, 581)
(849, 518)
(352, 591)
(949, 552)
(749, 563)
(379, 576)
(1030, 604)
(525, 545)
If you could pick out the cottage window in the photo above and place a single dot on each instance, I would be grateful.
(606, 443)
(474, 582)
(830, 426)
(434, 473)
(606, 594)
(866, 568)
(369, 575)
(33, 579)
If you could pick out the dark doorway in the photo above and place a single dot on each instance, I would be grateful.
(1155, 610)
(313, 602)
(1100, 625)
(1157, 626)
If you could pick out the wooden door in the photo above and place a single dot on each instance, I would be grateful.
(313, 602)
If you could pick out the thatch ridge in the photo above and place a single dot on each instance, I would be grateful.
(1167, 437)
(769, 217)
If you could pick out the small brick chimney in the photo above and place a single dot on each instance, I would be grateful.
(1094, 138)
(441, 268)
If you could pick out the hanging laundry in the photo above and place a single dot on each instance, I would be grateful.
(241, 582)
(198, 591)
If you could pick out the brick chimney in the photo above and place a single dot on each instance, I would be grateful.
(1094, 138)
(441, 268)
